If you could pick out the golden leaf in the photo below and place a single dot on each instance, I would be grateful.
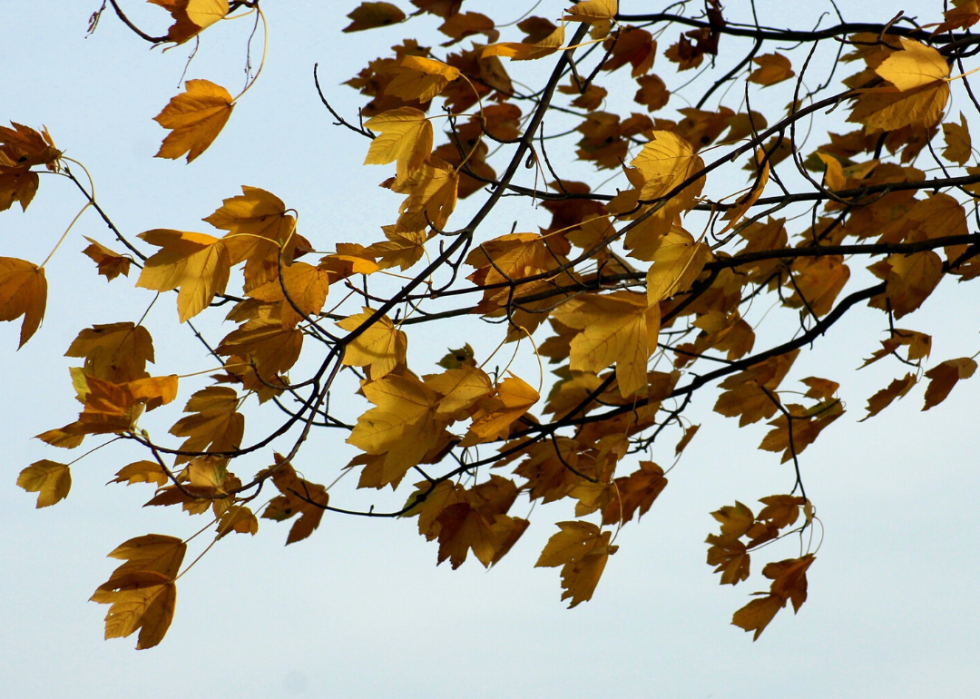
(959, 147)
(381, 346)
(406, 139)
(117, 352)
(773, 68)
(23, 292)
(49, 479)
(420, 78)
(191, 17)
(111, 264)
(621, 327)
(197, 264)
(215, 425)
(528, 51)
(195, 117)
(592, 11)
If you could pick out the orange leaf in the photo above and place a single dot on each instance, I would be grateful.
(420, 78)
(23, 292)
(756, 615)
(195, 117)
(883, 398)
(592, 11)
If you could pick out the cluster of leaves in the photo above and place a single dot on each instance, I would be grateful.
(629, 288)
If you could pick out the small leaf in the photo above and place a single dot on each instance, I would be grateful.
(49, 479)
(195, 117)
(369, 15)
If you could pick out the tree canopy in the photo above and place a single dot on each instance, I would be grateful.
(598, 216)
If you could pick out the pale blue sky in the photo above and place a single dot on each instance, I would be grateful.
(360, 609)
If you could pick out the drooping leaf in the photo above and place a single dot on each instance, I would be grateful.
(23, 292)
(195, 263)
(195, 118)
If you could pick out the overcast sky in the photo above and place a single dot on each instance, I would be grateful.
(360, 609)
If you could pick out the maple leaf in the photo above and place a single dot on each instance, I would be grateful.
(117, 352)
(793, 433)
(756, 615)
(21, 148)
(636, 494)
(265, 346)
(23, 292)
(910, 279)
(369, 15)
(191, 17)
(197, 264)
(943, 377)
(214, 425)
(677, 262)
(514, 398)
(403, 249)
(111, 264)
(773, 68)
(959, 147)
(460, 387)
(420, 78)
(299, 496)
(142, 591)
(195, 117)
(381, 346)
(431, 197)
(653, 93)
(750, 394)
(403, 425)
(49, 479)
(582, 550)
(459, 26)
(405, 139)
(621, 327)
(918, 74)
(302, 290)
(141, 472)
(730, 557)
(592, 11)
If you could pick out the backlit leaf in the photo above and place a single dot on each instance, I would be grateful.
(195, 118)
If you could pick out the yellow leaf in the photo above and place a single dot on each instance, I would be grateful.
(943, 377)
(620, 327)
(215, 425)
(773, 68)
(111, 264)
(381, 347)
(369, 15)
(431, 198)
(516, 398)
(582, 550)
(23, 292)
(406, 139)
(49, 479)
(196, 263)
(141, 472)
(833, 177)
(192, 16)
(153, 391)
(299, 496)
(153, 552)
(592, 11)
(195, 117)
(117, 352)
(527, 51)
(915, 66)
(21, 148)
(402, 248)
(420, 78)
(264, 345)
(665, 162)
(677, 262)
(959, 147)
(403, 425)
(460, 388)
(149, 608)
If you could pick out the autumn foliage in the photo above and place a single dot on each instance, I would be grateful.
(734, 182)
